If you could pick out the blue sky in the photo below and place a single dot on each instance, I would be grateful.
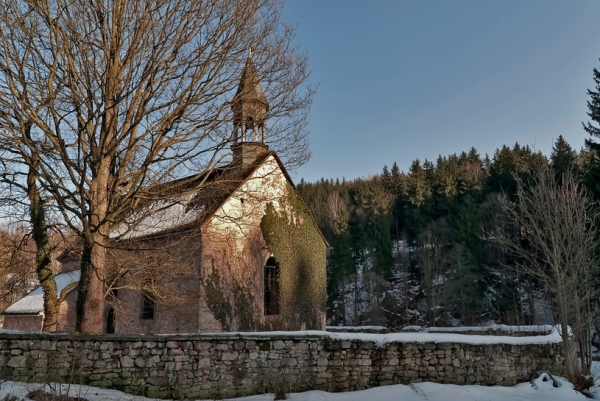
(400, 80)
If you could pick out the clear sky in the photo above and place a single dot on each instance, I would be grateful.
(400, 80)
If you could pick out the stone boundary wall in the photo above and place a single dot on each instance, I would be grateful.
(228, 365)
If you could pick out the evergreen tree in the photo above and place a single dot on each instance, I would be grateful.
(458, 189)
(398, 181)
(395, 170)
(563, 158)
(500, 171)
(374, 205)
(397, 187)
(386, 172)
(340, 263)
(386, 178)
(418, 188)
(473, 156)
(475, 172)
(487, 164)
(417, 192)
(465, 288)
(593, 104)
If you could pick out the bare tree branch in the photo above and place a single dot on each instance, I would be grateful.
(550, 234)
(124, 96)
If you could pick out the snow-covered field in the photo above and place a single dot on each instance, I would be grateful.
(414, 392)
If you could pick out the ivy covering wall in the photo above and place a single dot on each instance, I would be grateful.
(300, 250)
(233, 286)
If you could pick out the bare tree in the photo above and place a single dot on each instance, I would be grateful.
(21, 192)
(550, 234)
(16, 266)
(139, 267)
(337, 213)
(123, 96)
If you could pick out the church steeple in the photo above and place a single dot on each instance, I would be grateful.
(250, 109)
(249, 105)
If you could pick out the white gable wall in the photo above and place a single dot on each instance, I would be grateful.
(245, 208)
(234, 251)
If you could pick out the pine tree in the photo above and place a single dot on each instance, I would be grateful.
(487, 164)
(563, 158)
(593, 104)
(395, 170)
(386, 178)
(386, 172)
(418, 189)
(473, 156)
(594, 110)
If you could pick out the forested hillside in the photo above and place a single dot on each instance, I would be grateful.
(414, 247)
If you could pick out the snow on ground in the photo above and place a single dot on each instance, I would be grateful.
(414, 392)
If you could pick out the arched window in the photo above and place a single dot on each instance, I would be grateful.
(271, 284)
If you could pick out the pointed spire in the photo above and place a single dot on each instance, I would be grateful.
(249, 104)
(250, 109)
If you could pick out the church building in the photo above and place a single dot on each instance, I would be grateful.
(239, 252)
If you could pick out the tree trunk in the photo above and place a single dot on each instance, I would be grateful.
(90, 300)
(570, 355)
(43, 259)
(90, 297)
(355, 300)
(571, 366)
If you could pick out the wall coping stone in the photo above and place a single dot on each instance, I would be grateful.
(378, 339)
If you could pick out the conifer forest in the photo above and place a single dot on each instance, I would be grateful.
(418, 247)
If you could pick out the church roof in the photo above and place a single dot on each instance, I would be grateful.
(33, 303)
(193, 207)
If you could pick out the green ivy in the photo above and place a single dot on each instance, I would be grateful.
(242, 307)
(235, 312)
(297, 245)
(217, 301)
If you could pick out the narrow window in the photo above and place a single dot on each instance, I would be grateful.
(148, 307)
(110, 321)
(271, 284)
